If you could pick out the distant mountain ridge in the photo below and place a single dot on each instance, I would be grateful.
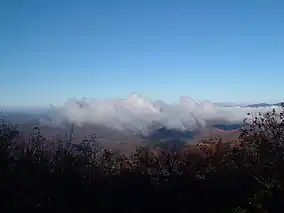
(137, 119)
(257, 105)
(262, 105)
(228, 127)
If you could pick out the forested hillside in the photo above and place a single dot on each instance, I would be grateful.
(62, 177)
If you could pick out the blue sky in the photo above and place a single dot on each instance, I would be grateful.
(215, 50)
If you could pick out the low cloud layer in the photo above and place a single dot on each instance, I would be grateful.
(137, 113)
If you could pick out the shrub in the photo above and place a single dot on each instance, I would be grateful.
(64, 177)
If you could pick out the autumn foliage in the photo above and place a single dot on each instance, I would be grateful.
(43, 176)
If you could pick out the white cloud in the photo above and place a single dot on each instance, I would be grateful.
(137, 112)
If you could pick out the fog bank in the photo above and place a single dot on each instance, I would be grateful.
(137, 113)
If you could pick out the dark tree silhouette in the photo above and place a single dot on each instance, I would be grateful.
(58, 176)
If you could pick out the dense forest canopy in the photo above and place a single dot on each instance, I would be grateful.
(58, 176)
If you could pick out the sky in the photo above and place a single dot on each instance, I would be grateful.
(221, 51)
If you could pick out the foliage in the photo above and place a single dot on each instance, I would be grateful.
(59, 176)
